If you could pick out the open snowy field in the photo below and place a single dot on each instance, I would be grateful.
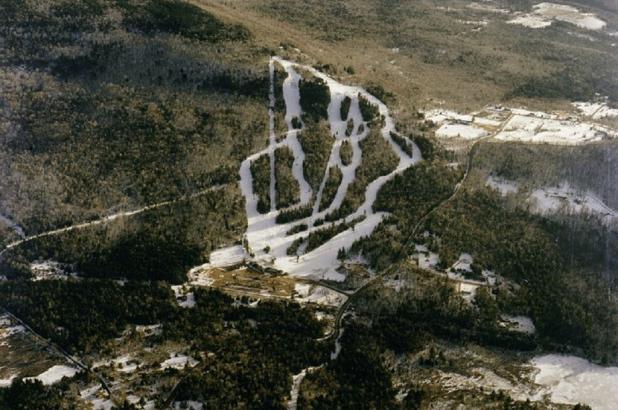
(543, 14)
(572, 380)
(517, 124)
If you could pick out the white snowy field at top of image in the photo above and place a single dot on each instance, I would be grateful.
(543, 14)
(573, 380)
(268, 240)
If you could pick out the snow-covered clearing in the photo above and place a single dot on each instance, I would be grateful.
(596, 111)
(47, 270)
(8, 328)
(187, 405)
(149, 330)
(463, 264)
(536, 128)
(563, 198)
(425, 258)
(464, 131)
(518, 323)
(488, 8)
(297, 380)
(573, 380)
(178, 361)
(7, 382)
(543, 14)
(501, 185)
(263, 233)
(54, 374)
(318, 294)
(518, 124)
(125, 364)
(229, 256)
(101, 404)
(184, 297)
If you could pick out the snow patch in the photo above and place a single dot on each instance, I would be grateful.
(178, 361)
(532, 127)
(596, 111)
(54, 374)
(564, 198)
(188, 405)
(318, 294)
(464, 131)
(521, 324)
(544, 14)
(501, 185)
(573, 380)
(229, 256)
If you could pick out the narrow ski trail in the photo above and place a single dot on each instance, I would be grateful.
(106, 219)
(267, 240)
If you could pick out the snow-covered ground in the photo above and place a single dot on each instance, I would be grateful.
(573, 380)
(455, 125)
(596, 110)
(54, 374)
(518, 323)
(425, 258)
(518, 124)
(501, 185)
(550, 200)
(229, 256)
(532, 127)
(543, 14)
(47, 270)
(178, 361)
(318, 294)
(184, 296)
(464, 131)
(266, 239)
(187, 405)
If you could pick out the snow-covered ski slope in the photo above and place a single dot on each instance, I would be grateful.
(266, 239)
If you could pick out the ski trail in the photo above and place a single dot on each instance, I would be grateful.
(297, 380)
(107, 219)
(272, 138)
(291, 97)
(297, 167)
(263, 233)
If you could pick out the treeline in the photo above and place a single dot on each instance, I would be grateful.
(260, 172)
(314, 98)
(330, 187)
(316, 142)
(287, 189)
